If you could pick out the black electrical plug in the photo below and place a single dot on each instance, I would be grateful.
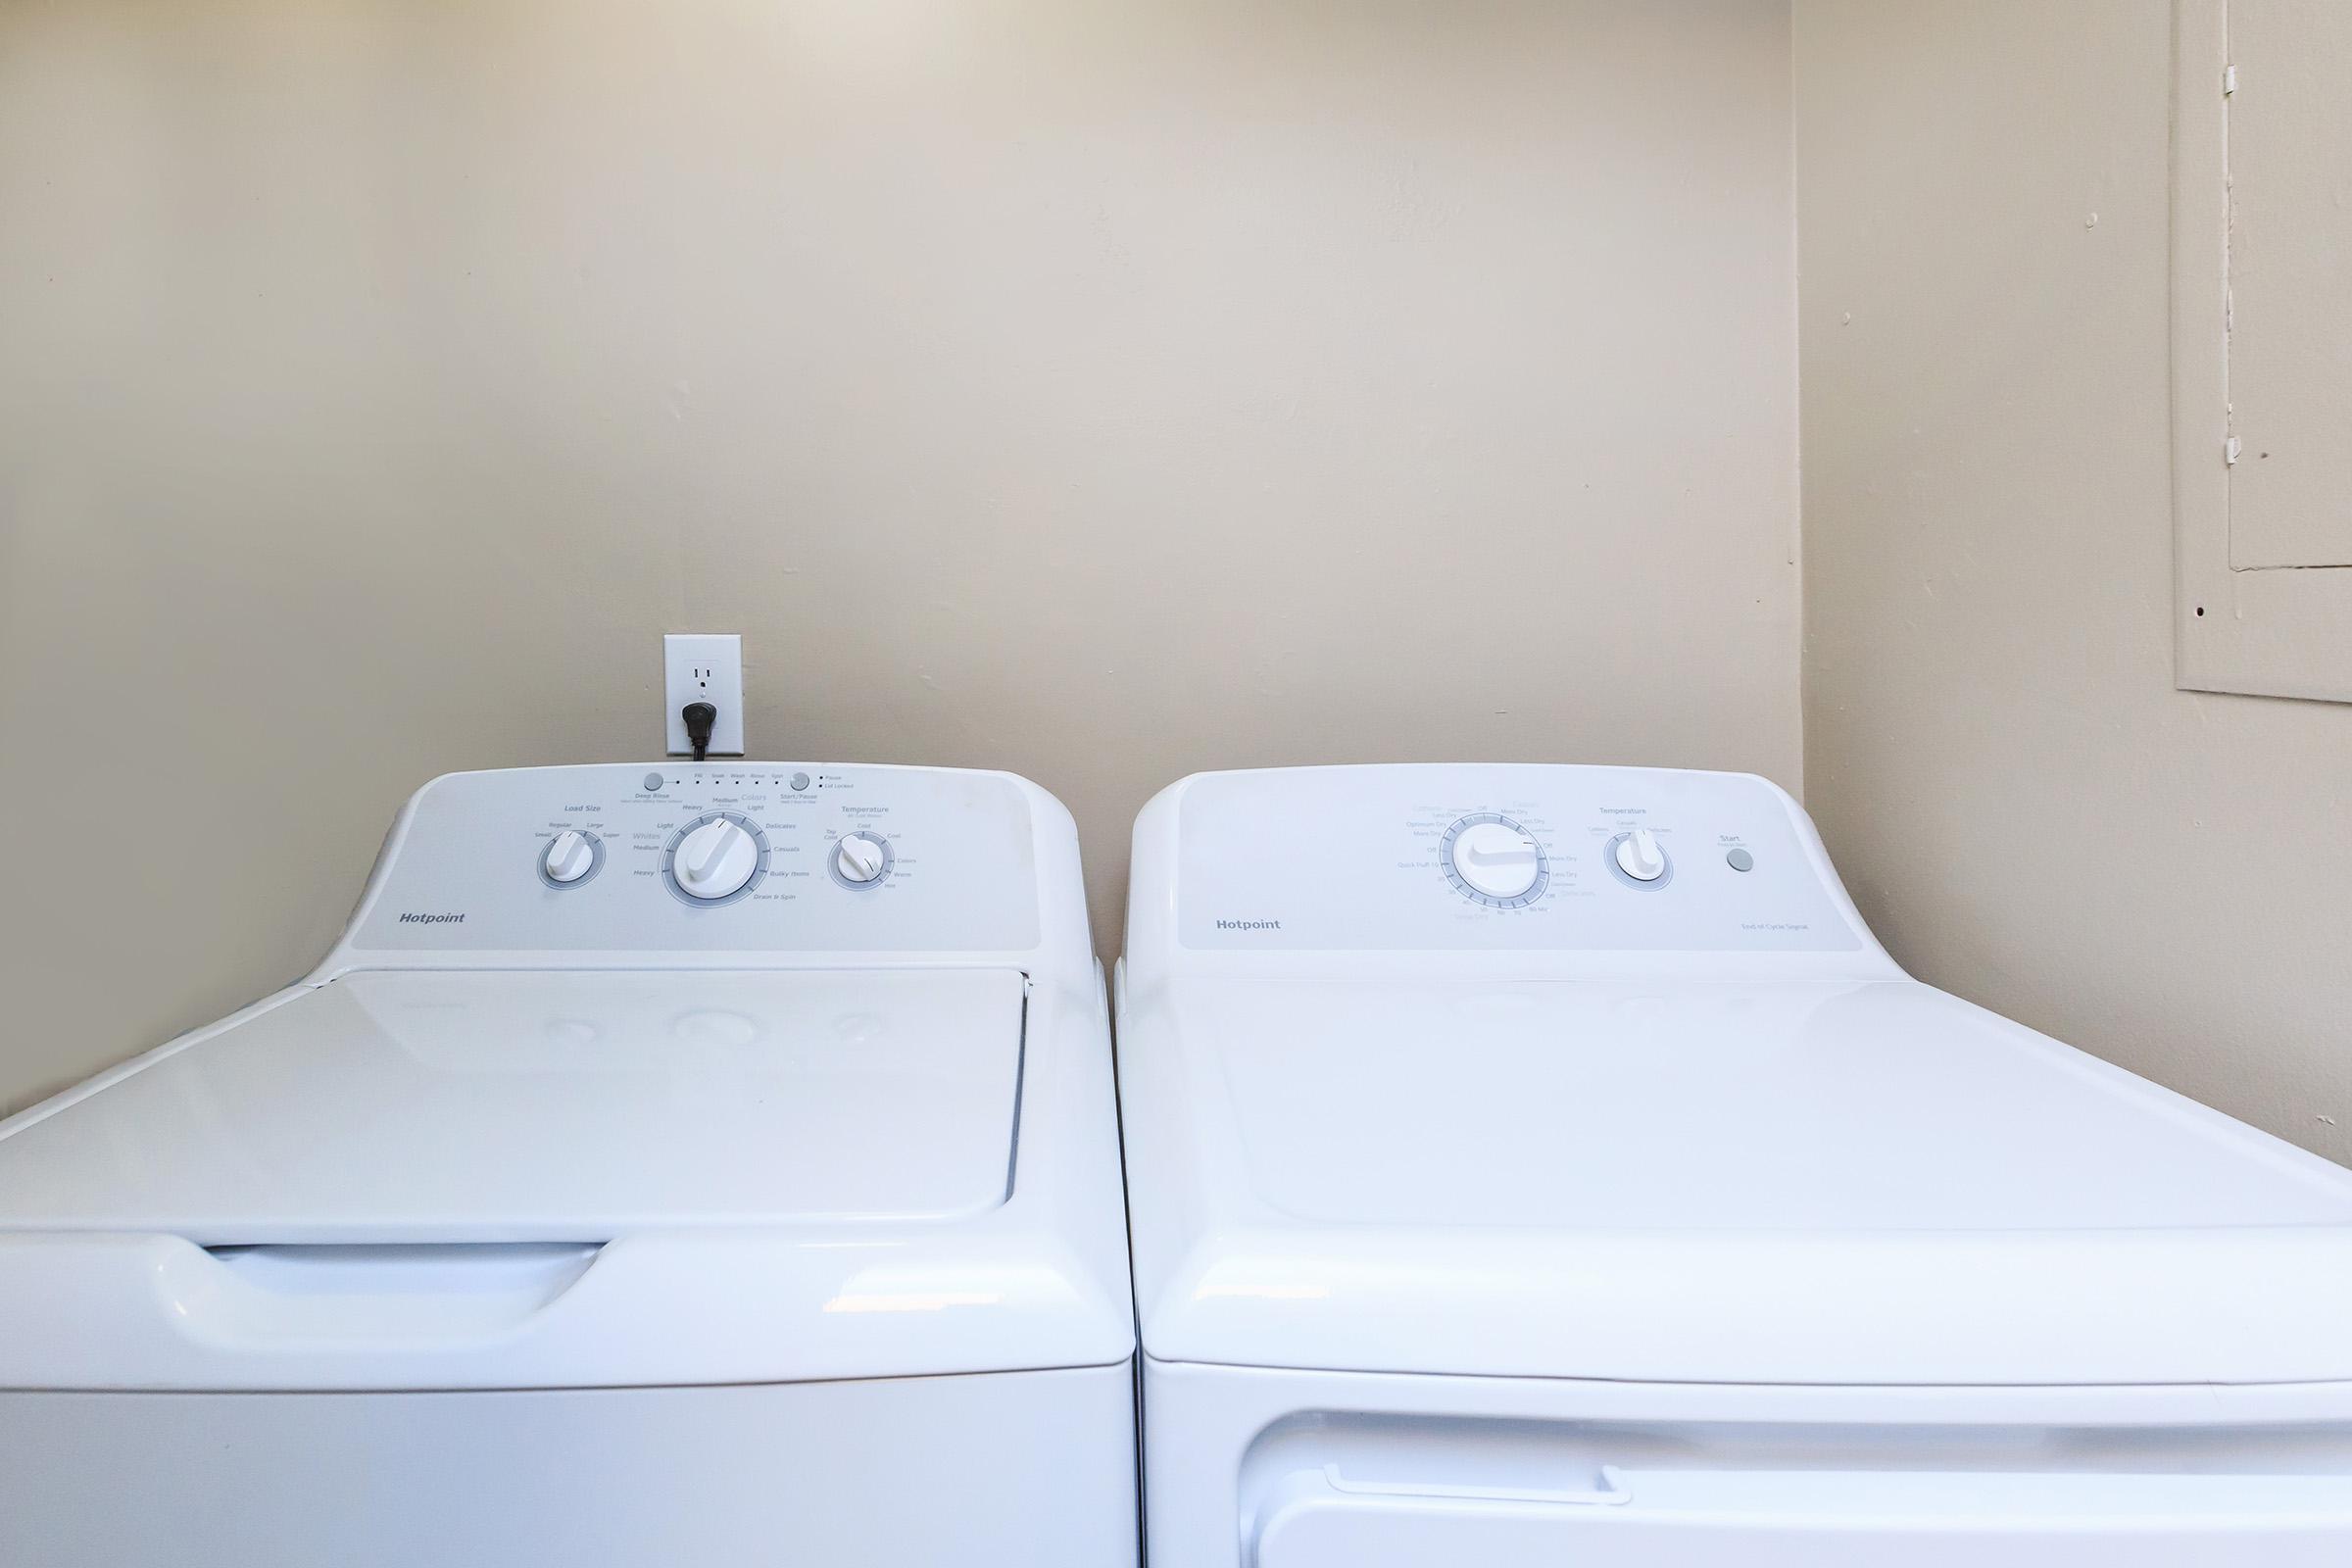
(699, 717)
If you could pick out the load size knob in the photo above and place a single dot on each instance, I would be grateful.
(570, 856)
(714, 859)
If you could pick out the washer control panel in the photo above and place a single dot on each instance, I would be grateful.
(1498, 857)
(709, 856)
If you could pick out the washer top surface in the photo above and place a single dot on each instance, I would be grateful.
(450, 1108)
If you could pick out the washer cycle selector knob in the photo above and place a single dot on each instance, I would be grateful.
(861, 858)
(1639, 855)
(570, 856)
(715, 858)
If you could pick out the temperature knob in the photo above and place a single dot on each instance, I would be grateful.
(714, 859)
(570, 856)
(860, 859)
(1639, 855)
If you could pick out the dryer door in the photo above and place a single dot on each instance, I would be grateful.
(1322, 1518)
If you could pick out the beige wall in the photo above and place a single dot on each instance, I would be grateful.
(1103, 391)
(2025, 807)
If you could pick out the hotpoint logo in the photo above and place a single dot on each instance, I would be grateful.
(1248, 925)
(409, 918)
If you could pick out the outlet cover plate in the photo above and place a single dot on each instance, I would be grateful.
(702, 668)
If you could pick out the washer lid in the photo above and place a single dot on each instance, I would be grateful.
(423, 1107)
(1789, 1182)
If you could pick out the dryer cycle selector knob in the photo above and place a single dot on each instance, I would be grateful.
(862, 860)
(715, 859)
(570, 856)
(1495, 861)
(1639, 855)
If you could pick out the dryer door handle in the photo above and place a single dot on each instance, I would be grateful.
(1612, 1490)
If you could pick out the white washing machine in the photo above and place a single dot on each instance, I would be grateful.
(1544, 1166)
(694, 1163)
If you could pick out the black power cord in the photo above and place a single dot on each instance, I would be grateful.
(699, 717)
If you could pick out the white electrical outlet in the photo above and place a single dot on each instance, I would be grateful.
(703, 668)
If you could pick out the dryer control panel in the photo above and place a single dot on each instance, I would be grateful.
(708, 858)
(1471, 856)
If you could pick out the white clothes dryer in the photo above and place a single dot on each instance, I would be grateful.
(1544, 1166)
